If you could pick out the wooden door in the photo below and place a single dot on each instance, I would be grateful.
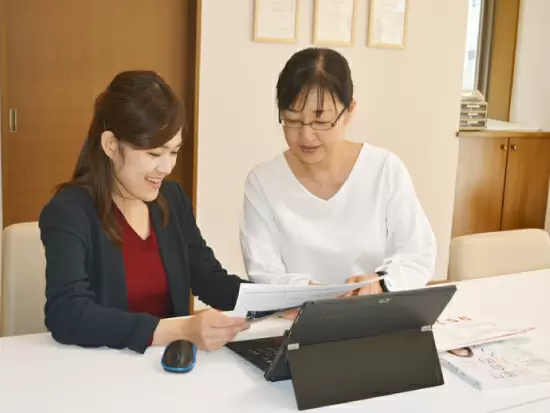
(526, 189)
(479, 185)
(58, 55)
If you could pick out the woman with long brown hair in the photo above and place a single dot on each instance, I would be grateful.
(123, 250)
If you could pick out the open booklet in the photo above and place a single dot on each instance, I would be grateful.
(462, 331)
(257, 301)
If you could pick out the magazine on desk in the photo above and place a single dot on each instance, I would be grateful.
(462, 331)
(497, 365)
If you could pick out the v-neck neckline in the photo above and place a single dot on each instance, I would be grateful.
(340, 190)
(132, 230)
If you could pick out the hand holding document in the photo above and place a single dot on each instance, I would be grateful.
(272, 297)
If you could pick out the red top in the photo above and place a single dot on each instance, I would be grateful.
(146, 280)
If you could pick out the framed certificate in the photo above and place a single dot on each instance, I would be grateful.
(387, 24)
(334, 22)
(275, 21)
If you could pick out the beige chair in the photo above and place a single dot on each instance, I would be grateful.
(498, 253)
(23, 281)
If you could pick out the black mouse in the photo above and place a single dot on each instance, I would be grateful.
(179, 356)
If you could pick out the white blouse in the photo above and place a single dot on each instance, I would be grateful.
(373, 223)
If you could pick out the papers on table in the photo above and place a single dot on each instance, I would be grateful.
(457, 332)
(270, 297)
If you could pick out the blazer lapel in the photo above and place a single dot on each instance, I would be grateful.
(170, 253)
(116, 289)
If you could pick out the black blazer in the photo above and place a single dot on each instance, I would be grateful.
(86, 296)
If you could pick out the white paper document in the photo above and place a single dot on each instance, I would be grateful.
(269, 297)
(462, 331)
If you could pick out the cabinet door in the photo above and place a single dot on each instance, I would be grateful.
(526, 188)
(479, 185)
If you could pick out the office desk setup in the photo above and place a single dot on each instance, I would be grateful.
(39, 375)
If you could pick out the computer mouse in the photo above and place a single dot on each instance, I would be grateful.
(179, 356)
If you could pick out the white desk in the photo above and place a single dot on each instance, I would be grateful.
(41, 376)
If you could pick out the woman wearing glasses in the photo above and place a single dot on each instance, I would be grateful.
(330, 210)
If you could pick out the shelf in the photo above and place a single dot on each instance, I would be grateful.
(500, 129)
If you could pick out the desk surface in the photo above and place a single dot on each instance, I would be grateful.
(39, 375)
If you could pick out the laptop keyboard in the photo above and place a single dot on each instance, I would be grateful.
(266, 354)
(260, 352)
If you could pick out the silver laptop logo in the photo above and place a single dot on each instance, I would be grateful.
(384, 300)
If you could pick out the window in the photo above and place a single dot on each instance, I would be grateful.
(490, 52)
(473, 41)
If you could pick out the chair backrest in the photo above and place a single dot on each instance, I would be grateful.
(498, 253)
(23, 280)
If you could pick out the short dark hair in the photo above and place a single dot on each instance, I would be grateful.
(321, 69)
(140, 109)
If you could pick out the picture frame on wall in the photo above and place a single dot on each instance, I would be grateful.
(275, 21)
(334, 22)
(388, 24)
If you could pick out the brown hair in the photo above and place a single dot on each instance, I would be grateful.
(141, 110)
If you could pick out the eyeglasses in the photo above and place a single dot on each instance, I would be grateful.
(317, 125)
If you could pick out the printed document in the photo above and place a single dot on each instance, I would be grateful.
(462, 331)
(271, 297)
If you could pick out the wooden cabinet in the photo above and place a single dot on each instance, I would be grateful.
(501, 183)
(526, 187)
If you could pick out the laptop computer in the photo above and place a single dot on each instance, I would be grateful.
(345, 319)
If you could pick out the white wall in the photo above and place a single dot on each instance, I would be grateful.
(408, 101)
(531, 88)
